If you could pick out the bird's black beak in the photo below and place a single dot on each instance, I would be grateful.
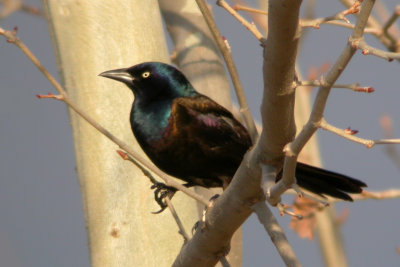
(121, 75)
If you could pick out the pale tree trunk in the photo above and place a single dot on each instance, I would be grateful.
(89, 38)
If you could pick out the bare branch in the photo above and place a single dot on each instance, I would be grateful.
(182, 231)
(12, 38)
(391, 20)
(387, 39)
(249, 9)
(292, 149)
(250, 26)
(391, 151)
(315, 23)
(276, 233)
(366, 142)
(11, 6)
(178, 221)
(244, 107)
(354, 86)
(369, 50)
(278, 102)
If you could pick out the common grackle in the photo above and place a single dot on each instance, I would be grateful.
(191, 137)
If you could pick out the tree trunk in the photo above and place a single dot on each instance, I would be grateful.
(90, 37)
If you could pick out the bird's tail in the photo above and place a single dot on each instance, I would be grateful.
(323, 182)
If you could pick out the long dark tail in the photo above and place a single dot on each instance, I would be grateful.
(323, 182)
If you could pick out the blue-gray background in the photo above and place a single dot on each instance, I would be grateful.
(41, 220)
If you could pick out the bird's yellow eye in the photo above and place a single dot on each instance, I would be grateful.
(146, 74)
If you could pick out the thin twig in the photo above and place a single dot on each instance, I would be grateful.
(354, 86)
(249, 9)
(391, 20)
(315, 23)
(178, 221)
(293, 149)
(244, 107)
(366, 142)
(250, 26)
(369, 50)
(369, 30)
(126, 156)
(32, 10)
(387, 128)
(182, 231)
(276, 233)
(383, 16)
(12, 38)
(389, 40)
(257, 16)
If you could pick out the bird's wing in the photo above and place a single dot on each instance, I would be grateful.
(209, 122)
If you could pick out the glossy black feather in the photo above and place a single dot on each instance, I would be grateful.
(191, 137)
(202, 145)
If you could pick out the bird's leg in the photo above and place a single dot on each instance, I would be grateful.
(161, 192)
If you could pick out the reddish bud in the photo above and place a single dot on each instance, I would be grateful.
(365, 89)
(348, 130)
(15, 30)
(365, 52)
(123, 154)
(50, 95)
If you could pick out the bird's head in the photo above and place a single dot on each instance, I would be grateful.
(151, 81)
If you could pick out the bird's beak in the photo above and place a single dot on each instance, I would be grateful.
(121, 75)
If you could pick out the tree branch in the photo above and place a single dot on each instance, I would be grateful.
(278, 101)
(12, 38)
(244, 107)
(350, 136)
(369, 50)
(293, 149)
(250, 26)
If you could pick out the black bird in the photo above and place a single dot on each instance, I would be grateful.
(191, 137)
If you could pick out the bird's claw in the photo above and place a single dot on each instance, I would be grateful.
(160, 193)
(284, 210)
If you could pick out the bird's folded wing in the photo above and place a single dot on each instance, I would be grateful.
(212, 122)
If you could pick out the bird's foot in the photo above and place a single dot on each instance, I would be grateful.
(283, 209)
(202, 223)
(160, 193)
(301, 194)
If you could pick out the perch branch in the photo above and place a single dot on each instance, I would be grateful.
(12, 38)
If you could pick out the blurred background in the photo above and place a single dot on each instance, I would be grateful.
(41, 218)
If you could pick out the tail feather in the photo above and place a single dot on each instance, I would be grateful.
(323, 182)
